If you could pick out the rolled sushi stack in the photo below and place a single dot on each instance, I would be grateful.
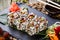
(29, 22)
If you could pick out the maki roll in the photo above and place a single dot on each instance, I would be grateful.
(32, 16)
(29, 22)
(42, 23)
(24, 12)
(30, 28)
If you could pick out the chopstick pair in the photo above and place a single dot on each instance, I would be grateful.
(50, 5)
(53, 3)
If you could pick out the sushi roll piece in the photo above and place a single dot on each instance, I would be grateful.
(10, 19)
(24, 25)
(24, 12)
(31, 29)
(43, 23)
(32, 16)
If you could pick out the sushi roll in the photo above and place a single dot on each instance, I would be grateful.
(32, 16)
(10, 19)
(43, 23)
(31, 29)
(19, 23)
(24, 25)
(23, 12)
(30, 23)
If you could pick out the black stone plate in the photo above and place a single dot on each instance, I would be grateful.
(22, 35)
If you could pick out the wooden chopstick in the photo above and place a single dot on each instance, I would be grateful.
(53, 3)
(49, 4)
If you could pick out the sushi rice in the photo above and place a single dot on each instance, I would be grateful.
(29, 22)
